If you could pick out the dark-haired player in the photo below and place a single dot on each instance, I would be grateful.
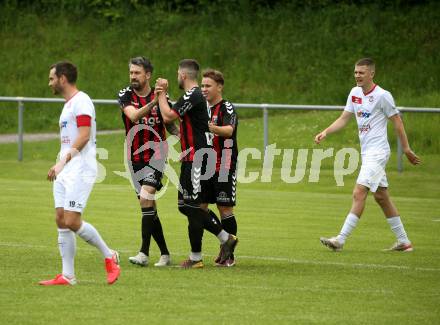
(192, 111)
(147, 150)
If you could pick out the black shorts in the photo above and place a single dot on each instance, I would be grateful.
(144, 174)
(222, 190)
(192, 188)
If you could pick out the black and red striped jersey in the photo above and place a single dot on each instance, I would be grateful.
(192, 110)
(147, 136)
(223, 113)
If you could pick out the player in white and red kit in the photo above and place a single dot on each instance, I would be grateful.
(373, 107)
(74, 174)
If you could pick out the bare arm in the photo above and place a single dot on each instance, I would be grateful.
(225, 131)
(338, 124)
(168, 115)
(172, 129)
(400, 130)
(136, 114)
(77, 146)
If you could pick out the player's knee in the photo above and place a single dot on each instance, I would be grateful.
(380, 197)
(224, 211)
(72, 224)
(183, 209)
(359, 195)
(146, 203)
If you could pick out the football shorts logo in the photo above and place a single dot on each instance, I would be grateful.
(223, 197)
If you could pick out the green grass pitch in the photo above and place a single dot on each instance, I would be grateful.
(283, 274)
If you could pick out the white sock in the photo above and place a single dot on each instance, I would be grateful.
(67, 247)
(349, 224)
(223, 236)
(397, 228)
(92, 236)
(195, 256)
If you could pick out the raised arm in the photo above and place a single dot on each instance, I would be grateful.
(400, 130)
(136, 114)
(168, 115)
(338, 124)
(172, 129)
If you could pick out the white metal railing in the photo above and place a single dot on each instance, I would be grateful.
(264, 107)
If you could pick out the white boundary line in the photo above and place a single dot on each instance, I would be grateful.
(273, 258)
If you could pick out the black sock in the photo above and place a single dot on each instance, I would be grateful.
(147, 228)
(210, 222)
(158, 236)
(230, 224)
(195, 228)
(214, 216)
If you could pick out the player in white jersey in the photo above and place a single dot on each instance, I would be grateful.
(373, 107)
(74, 174)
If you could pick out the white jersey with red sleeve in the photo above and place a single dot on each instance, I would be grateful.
(78, 111)
(372, 111)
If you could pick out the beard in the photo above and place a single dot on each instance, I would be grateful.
(56, 90)
(136, 85)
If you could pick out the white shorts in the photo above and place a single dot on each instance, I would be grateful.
(71, 189)
(372, 173)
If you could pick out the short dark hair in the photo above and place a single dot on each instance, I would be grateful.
(67, 69)
(215, 75)
(368, 62)
(192, 66)
(142, 61)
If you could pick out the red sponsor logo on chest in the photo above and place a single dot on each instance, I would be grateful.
(356, 100)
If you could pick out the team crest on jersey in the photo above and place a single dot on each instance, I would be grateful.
(370, 99)
(214, 119)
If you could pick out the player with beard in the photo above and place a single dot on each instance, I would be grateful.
(192, 111)
(147, 150)
(74, 174)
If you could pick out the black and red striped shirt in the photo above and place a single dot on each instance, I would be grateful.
(223, 113)
(146, 137)
(192, 110)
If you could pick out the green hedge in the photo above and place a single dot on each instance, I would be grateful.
(285, 54)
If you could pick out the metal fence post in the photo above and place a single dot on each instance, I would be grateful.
(265, 126)
(20, 130)
(399, 152)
